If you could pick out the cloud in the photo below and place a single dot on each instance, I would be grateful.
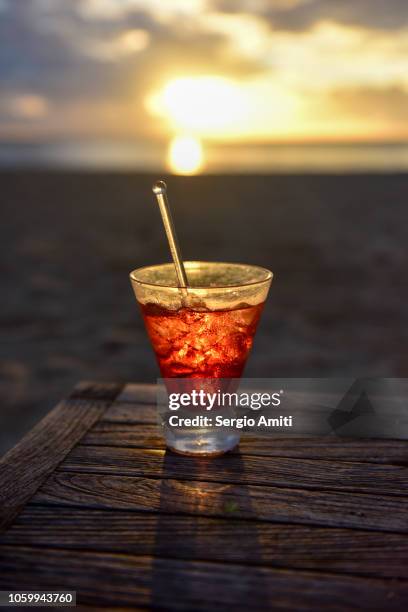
(89, 65)
(61, 49)
(102, 54)
(300, 15)
(120, 9)
(374, 103)
(29, 106)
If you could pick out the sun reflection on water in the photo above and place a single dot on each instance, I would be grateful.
(185, 155)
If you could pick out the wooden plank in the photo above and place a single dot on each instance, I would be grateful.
(198, 497)
(98, 608)
(233, 468)
(347, 551)
(120, 427)
(129, 413)
(115, 579)
(26, 466)
(139, 393)
(113, 608)
(86, 389)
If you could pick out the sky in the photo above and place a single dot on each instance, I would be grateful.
(222, 70)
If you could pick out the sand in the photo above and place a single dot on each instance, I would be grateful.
(337, 246)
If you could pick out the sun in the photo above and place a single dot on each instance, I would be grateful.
(185, 155)
(203, 105)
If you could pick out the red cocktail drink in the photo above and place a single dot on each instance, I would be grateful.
(201, 343)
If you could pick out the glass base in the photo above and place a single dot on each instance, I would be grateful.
(201, 444)
(199, 454)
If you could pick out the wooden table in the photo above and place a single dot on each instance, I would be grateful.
(92, 502)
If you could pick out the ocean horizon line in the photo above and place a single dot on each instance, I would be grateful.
(219, 158)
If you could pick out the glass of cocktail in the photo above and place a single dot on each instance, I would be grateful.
(204, 331)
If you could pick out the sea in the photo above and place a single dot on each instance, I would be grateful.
(337, 158)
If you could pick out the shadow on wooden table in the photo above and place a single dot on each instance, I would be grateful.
(208, 513)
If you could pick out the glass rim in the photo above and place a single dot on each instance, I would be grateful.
(268, 275)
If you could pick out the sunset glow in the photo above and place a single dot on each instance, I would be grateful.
(216, 108)
(207, 106)
(289, 70)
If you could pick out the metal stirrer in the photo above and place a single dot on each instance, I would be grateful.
(160, 191)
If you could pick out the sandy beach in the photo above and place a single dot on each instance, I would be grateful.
(337, 246)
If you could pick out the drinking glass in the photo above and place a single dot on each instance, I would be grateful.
(204, 331)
